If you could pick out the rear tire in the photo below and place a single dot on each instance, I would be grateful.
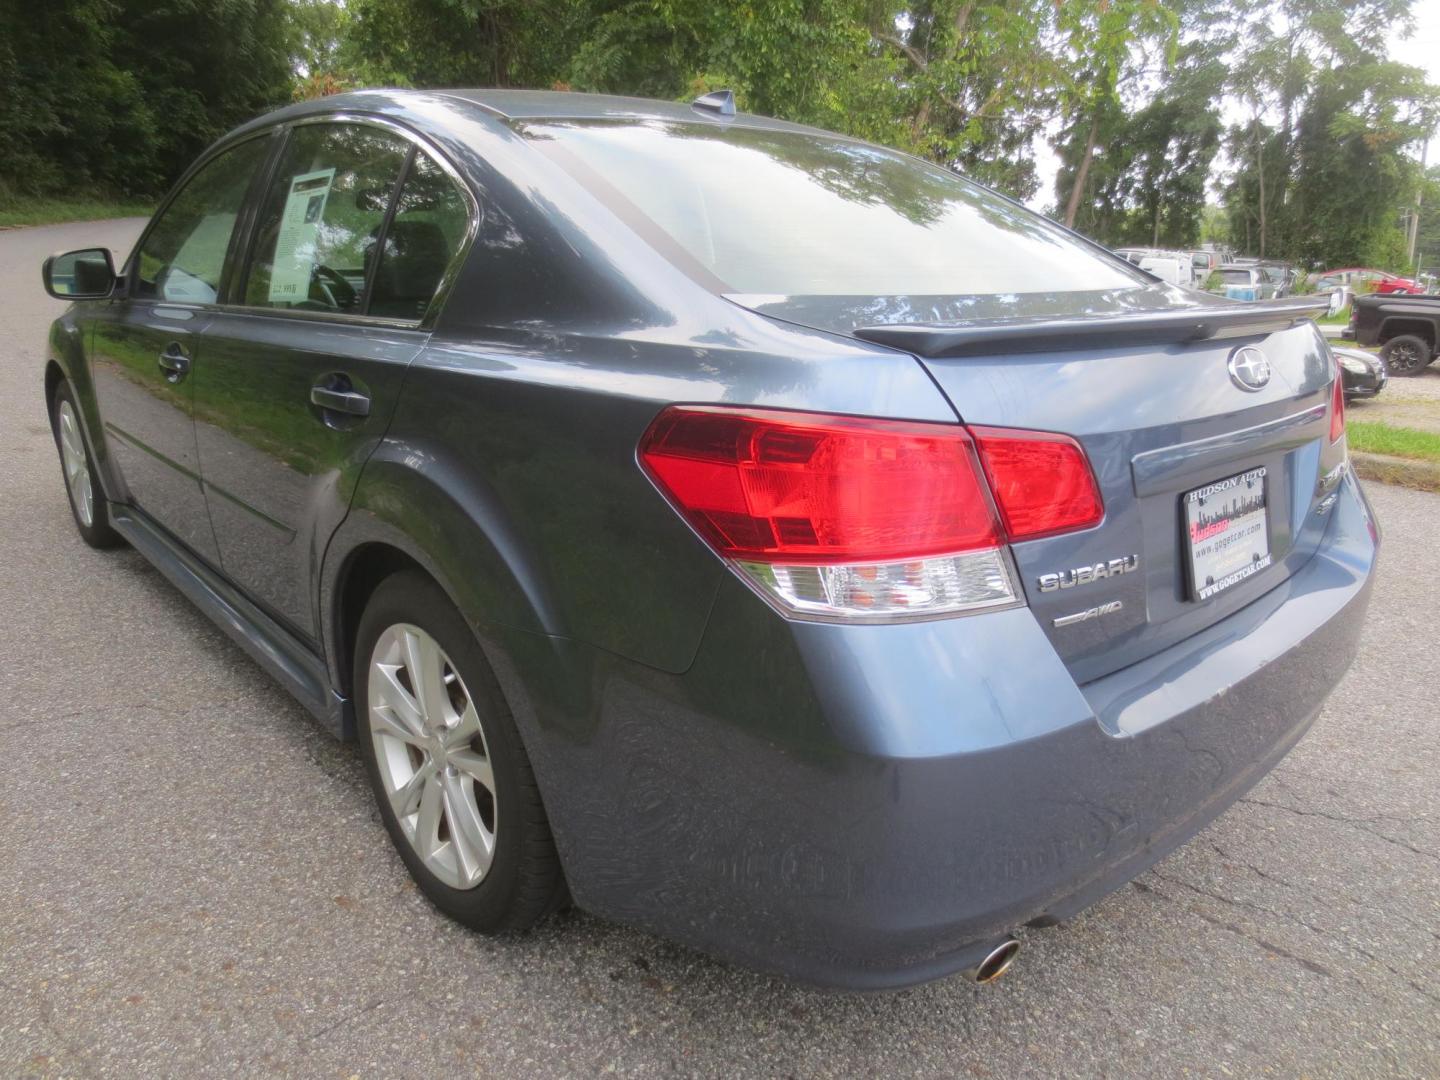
(446, 764)
(1406, 355)
(87, 501)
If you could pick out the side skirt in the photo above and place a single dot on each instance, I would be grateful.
(293, 663)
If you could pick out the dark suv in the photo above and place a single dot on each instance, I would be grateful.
(755, 535)
(1405, 327)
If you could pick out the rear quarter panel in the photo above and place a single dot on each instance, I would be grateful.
(512, 466)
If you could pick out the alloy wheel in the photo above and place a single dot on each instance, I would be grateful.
(77, 465)
(1404, 358)
(432, 756)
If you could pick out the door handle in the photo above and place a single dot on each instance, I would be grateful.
(174, 364)
(351, 402)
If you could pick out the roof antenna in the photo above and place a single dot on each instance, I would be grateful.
(719, 102)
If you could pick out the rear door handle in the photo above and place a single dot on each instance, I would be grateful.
(351, 402)
(174, 364)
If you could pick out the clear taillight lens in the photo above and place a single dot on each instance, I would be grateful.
(841, 517)
(969, 581)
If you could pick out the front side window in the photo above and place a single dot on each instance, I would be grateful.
(321, 219)
(183, 255)
(792, 214)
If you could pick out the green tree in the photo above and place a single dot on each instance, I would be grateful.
(436, 43)
(1255, 191)
(122, 94)
(976, 84)
(72, 117)
(1147, 182)
(1322, 170)
(1350, 141)
(1427, 246)
(806, 60)
(1103, 37)
(319, 30)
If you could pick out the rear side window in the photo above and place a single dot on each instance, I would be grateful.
(183, 255)
(320, 221)
(429, 227)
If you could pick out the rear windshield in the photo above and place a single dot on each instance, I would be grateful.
(794, 214)
(1235, 277)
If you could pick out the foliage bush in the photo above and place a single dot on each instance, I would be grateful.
(119, 95)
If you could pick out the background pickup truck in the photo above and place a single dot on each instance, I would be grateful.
(1407, 328)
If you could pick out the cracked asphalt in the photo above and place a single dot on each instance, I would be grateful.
(193, 882)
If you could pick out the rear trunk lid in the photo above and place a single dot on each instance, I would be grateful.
(1146, 387)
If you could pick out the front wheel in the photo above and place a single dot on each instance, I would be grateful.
(87, 502)
(451, 777)
(1406, 355)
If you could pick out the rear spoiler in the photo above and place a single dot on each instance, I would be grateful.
(985, 337)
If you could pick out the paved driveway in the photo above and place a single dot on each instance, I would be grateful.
(192, 879)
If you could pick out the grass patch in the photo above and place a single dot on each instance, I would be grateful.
(22, 210)
(1377, 437)
(1340, 318)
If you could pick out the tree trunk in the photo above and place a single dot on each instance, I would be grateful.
(1411, 261)
(1260, 175)
(1072, 206)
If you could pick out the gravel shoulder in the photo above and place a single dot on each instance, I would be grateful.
(193, 879)
(1412, 402)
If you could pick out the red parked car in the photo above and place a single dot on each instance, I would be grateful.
(1355, 276)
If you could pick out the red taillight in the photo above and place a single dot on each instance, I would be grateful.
(1337, 406)
(1042, 482)
(841, 517)
(781, 487)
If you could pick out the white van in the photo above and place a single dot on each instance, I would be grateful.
(1172, 268)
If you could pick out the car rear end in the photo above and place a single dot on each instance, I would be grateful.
(969, 675)
(1240, 283)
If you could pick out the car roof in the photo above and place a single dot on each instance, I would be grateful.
(510, 106)
(569, 105)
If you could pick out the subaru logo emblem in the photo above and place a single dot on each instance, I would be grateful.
(1249, 370)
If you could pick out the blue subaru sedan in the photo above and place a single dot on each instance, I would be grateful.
(736, 530)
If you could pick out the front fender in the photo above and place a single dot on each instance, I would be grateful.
(67, 351)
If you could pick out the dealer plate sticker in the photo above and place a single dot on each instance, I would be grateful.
(1229, 536)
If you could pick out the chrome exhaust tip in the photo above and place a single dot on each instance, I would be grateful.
(995, 963)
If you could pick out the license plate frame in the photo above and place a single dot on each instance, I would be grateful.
(1227, 532)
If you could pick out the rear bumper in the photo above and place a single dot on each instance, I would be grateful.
(871, 807)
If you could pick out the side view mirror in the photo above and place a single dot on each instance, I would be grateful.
(87, 274)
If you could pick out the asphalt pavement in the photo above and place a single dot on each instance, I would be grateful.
(193, 880)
